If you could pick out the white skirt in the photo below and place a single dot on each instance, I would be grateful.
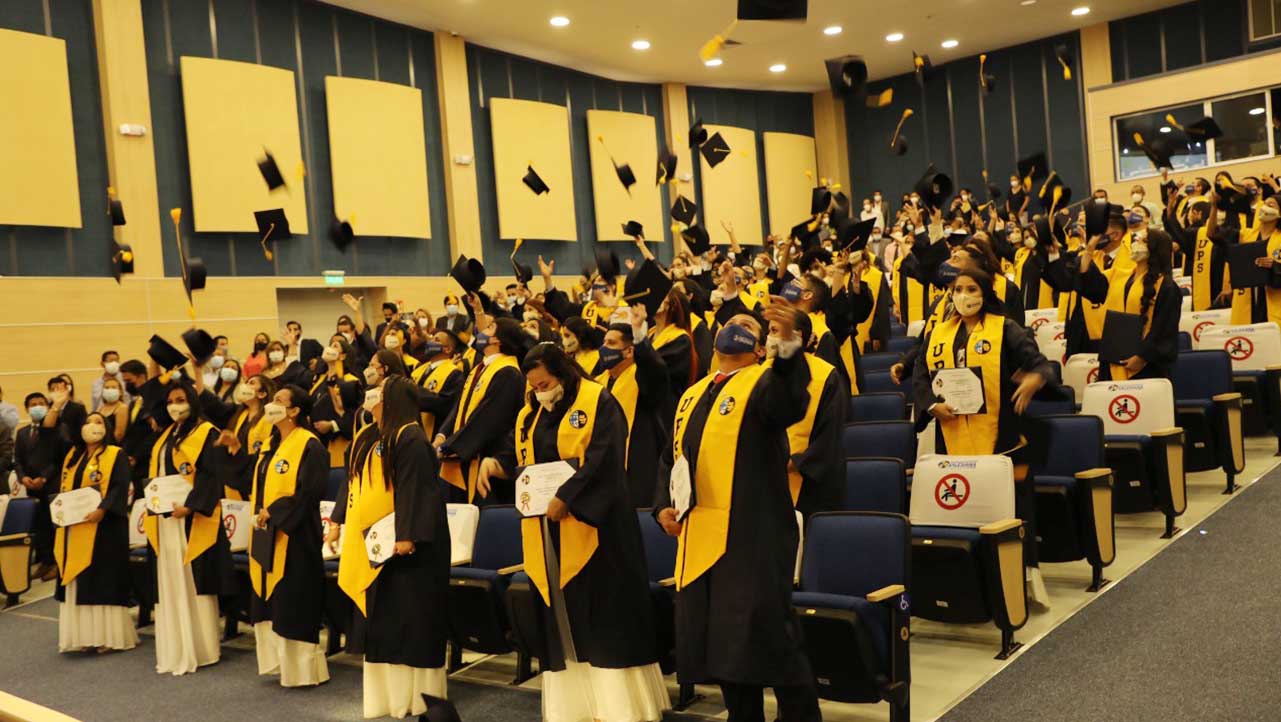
(396, 690)
(82, 626)
(299, 664)
(187, 633)
(583, 693)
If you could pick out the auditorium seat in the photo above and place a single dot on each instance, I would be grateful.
(478, 618)
(1039, 408)
(875, 484)
(15, 548)
(897, 328)
(878, 406)
(901, 344)
(1074, 517)
(333, 484)
(879, 382)
(896, 439)
(879, 361)
(1210, 413)
(660, 561)
(1185, 341)
(853, 608)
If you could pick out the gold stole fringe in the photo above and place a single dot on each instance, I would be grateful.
(452, 471)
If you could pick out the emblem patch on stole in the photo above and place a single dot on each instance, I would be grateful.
(982, 346)
(727, 405)
(185, 468)
(431, 385)
(578, 419)
(95, 477)
(282, 466)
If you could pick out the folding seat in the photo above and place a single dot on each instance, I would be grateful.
(1080, 370)
(1051, 339)
(880, 361)
(338, 607)
(237, 520)
(895, 439)
(660, 560)
(875, 484)
(1185, 341)
(878, 406)
(967, 545)
(334, 483)
(901, 344)
(1255, 350)
(1038, 408)
(1074, 517)
(914, 329)
(879, 382)
(853, 608)
(15, 548)
(1194, 323)
(1034, 318)
(478, 619)
(897, 328)
(1144, 447)
(1210, 413)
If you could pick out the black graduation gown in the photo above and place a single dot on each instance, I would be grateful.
(649, 433)
(608, 603)
(212, 569)
(880, 329)
(440, 401)
(322, 409)
(677, 359)
(844, 313)
(139, 436)
(486, 427)
(735, 623)
(106, 580)
(1160, 346)
(296, 605)
(218, 410)
(1258, 294)
(1064, 275)
(38, 453)
(408, 621)
(822, 464)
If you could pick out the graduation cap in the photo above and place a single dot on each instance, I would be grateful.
(341, 233)
(1232, 198)
(847, 75)
(684, 210)
(438, 710)
(164, 354)
(714, 150)
(535, 182)
(987, 81)
(121, 259)
(469, 273)
(840, 204)
(524, 273)
(697, 239)
(193, 269)
(1044, 232)
(115, 208)
(270, 171)
(1158, 150)
(1202, 130)
(272, 226)
(697, 134)
(1096, 218)
(773, 9)
(308, 349)
(623, 171)
(806, 232)
(1065, 58)
(1033, 168)
(607, 264)
(820, 200)
(200, 344)
(898, 144)
(881, 99)
(647, 285)
(853, 235)
(712, 47)
(924, 69)
(1053, 193)
(631, 229)
(666, 167)
(934, 187)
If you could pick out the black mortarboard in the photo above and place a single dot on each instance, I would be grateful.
(840, 204)
(341, 233)
(164, 354)
(194, 279)
(469, 273)
(1033, 168)
(1204, 129)
(697, 134)
(820, 200)
(806, 232)
(606, 264)
(697, 239)
(535, 182)
(934, 187)
(847, 75)
(631, 229)
(121, 259)
(898, 143)
(648, 280)
(715, 150)
(438, 710)
(270, 171)
(852, 235)
(684, 210)
(1096, 218)
(273, 225)
(1049, 189)
(115, 208)
(1232, 199)
(1158, 150)
(308, 349)
(772, 9)
(625, 176)
(1044, 233)
(666, 167)
(1064, 56)
(924, 69)
(200, 344)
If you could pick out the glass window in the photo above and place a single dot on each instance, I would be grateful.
(1244, 121)
(1132, 163)
(1265, 19)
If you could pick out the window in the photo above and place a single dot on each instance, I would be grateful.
(1250, 131)
(1265, 19)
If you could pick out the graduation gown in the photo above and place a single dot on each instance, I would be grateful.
(106, 580)
(1160, 344)
(676, 348)
(645, 399)
(211, 569)
(1203, 261)
(295, 603)
(437, 396)
(1081, 333)
(323, 409)
(607, 601)
(734, 621)
(478, 433)
(815, 443)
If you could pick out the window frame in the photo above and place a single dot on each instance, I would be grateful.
(1276, 31)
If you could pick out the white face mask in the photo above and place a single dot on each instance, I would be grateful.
(176, 375)
(351, 337)
(760, 266)
(966, 305)
(1136, 197)
(1029, 242)
(243, 393)
(93, 433)
(451, 309)
(328, 355)
(274, 412)
(373, 397)
(276, 356)
(371, 376)
(111, 367)
(1267, 214)
(179, 412)
(392, 341)
(1015, 185)
(111, 396)
(549, 398)
(569, 343)
(1222, 216)
(228, 374)
(424, 322)
(1138, 250)
(216, 362)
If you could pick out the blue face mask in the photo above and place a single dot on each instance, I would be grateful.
(947, 273)
(735, 339)
(431, 349)
(37, 413)
(610, 357)
(480, 341)
(792, 291)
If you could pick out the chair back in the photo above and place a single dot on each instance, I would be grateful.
(878, 406)
(237, 519)
(883, 541)
(1202, 375)
(1131, 408)
(878, 382)
(963, 491)
(1075, 444)
(1194, 323)
(1252, 347)
(896, 439)
(1051, 339)
(880, 361)
(19, 517)
(874, 484)
(137, 535)
(1035, 318)
(901, 344)
(463, 521)
(334, 482)
(1081, 370)
(498, 542)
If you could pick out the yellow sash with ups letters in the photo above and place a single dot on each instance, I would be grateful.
(73, 545)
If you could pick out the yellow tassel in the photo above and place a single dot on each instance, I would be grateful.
(835, 187)
(809, 174)
(111, 192)
(176, 215)
(126, 256)
(676, 228)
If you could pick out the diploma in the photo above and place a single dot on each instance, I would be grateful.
(326, 523)
(380, 540)
(680, 488)
(538, 483)
(71, 507)
(961, 389)
(163, 492)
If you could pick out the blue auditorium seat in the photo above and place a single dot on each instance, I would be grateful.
(337, 476)
(875, 484)
(1185, 341)
(896, 439)
(15, 549)
(879, 361)
(1210, 412)
(878, 406)
(880, 382)
(901, 344)
(478, 619)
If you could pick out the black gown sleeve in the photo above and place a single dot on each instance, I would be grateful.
(340, 502)
(652, 371)
(206, 489)
(594, 488)
(1013, 302)
(559, 305)
(418, 489)
(880, 330)
(781, 396)
(1161, 344)
(116, 500)
(218, 412)
(292, 512)
(441, 401)
(827, 350)
(1094, 285)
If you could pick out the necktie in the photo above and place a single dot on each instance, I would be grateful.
(719, 378)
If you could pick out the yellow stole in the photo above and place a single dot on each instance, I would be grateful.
(432, 380)
(337, 445)
(578, 541)
(913, 307)
(258, 439)
(798, 434)
(760, 291)
(473, 394)
(469, 359)
(73, 545)
(1201, 276)
(1132, 302)
(186, 454)
(598, 315)
(706, 529)
(1045, 298)
(369, 498)
(1242, 303)
(846, 351)
(627, 392)
(972, 434)
(1095, 313)
(282, 480)
(871, 279)
(669, 333)
(587, 359)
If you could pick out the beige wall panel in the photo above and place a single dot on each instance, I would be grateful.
(788, 158)
(631, 138)
(731, 190)
(527, 133)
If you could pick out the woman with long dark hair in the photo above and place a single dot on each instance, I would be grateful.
(246, 433)
(612, 671)
(93, 556)
(581, 340)
(334, 395)
(400, 624)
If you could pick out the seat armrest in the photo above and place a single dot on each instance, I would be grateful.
(462, 563)
(1095, 473)
(668, 582)
(1164, 433)
(998, 527)
(884, 593)
(8, 539)
(511, 570)
(1224, 398)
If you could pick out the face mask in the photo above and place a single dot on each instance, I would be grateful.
(1101, 201)
(179, 412)
(111, 396)
(1138, 250)
(392, 342)
(1029, 242)
(243, 393)
(610, 357)
(216, 362)
(867, 206)
(1267, 214)
(37, 413)
(373, 397)
(351, 337)
(431, 348)
(276, 356)
(329, 354)
(480, 341)
(424, 322)
(371, 376)
(259, 346)
(678, 272)
(93, 433)
(549, 398)
(176, 374)
(877, 197)
(1136, 197)
(274, 412)
(707, 265)
(965, 197)
(111, 367)
(451, 309)
(228, 374)
(760, 267)
(734, 339)
(907, 229)
(966, 305)
(569, 343)
(1222, 216)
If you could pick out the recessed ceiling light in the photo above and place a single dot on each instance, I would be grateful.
(894, 37)
(713, 62)
(1025, 3)
(1124, 151)
(949, 44)
(832, 30)
(1165, 129)
(1258, 111)
(777, 68)
(640, 45)
(559, 21)
(1080, 11)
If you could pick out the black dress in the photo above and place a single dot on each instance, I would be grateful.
(106, 580)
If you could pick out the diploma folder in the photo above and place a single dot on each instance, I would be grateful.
(1241, 258)
(1122, 337)
(262, 547)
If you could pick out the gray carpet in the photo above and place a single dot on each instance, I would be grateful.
(1191, 635)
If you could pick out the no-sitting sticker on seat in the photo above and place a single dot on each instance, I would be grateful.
(1239, 348)
(952, 492)
(1124, 409)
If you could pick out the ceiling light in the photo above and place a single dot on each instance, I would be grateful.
(713, 62)
(894, 37)
(832, 30)
(1258, 111)
(640, 45)
(1165, 129)
(777, 68)
(949, 44)
(1025, 3)
(559, 21)
(1124, 151)
(1078, 12)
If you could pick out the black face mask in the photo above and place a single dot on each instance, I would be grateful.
(259, 346)
(131, 387)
